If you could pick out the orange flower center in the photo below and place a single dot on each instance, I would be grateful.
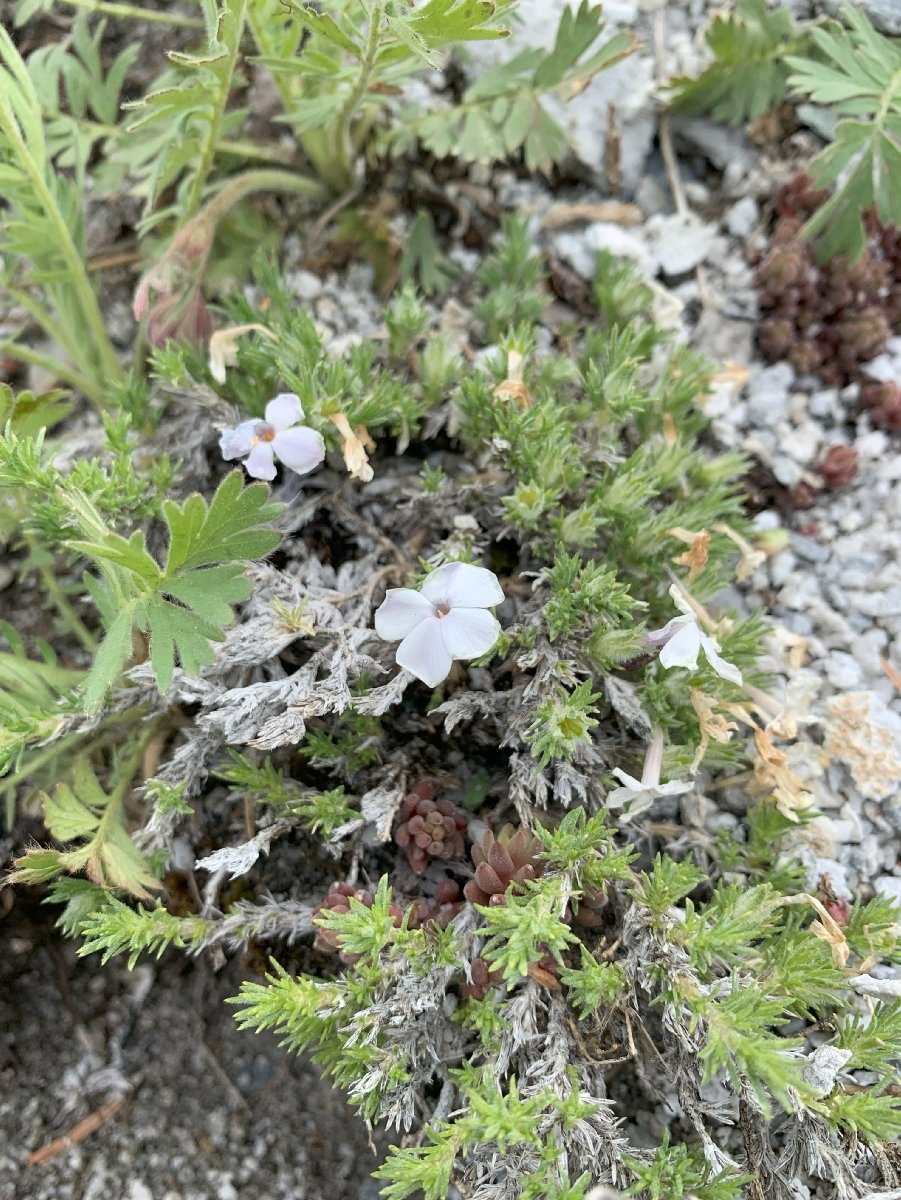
(263, 433)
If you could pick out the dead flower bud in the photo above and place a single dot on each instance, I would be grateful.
(513, 388)
(695, 557)
(826, 928)
(224, 347)
(168, 297)
(355, 446)
(714, 727)
(750, 559)
(773, 774)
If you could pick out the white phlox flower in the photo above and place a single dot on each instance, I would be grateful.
(640, 794)
(447, 618)
(682, 639)
(277, 436)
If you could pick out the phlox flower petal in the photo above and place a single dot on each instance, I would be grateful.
(631, 783)
(301, 449)
(725, 670)
(469, 632)
(682, 648)
(446, 619)
(284, 411)
(640, 796)
(462, 584)
(400, 612)
(423, 653)
(235, 443)
(260, 462)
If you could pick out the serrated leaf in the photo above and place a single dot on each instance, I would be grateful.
(109, 661)
(123, 866)
(187, 605)
(81, 812)
(327, 28)
(443, 22)
(29, 414)
(212, 591)
(174, 634)
(575, 33)
(66, 817)
(413, 41)
(232, 527)
(545, 143)
(130, 554)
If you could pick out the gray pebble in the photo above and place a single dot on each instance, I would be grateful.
(787, 470)
(810, 550)
(782, 566)
(305, 285)
(842, 671)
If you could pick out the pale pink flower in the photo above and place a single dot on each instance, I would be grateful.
(683, 639)
(640, 794)
(447, 618)
(277, 436)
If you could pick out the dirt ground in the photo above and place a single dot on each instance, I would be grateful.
(189, 1107)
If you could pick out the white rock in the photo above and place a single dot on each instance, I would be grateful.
(823, 1066)
(885, 14)
(888, 885)
(872, 445)
(651, 196)
(884, 367)
(842, 671)
(838, 877)
(581, 249)
(305, 285)
(849, 816)
(680, 242)
(800, 444)
(742, 217)
(766, 520)
(725, 148)
(782, 566)
(869, 649)
(825, 404)
(768, 392)
(786, 470)
(138, 1190)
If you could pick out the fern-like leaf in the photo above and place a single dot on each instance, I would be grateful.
(749, 73)
(83, 813)
(858, 74)
(502, 113)
(185, 604)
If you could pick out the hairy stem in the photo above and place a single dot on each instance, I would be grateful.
(76, 269)
(343, 141)
(235, 28)
(317, 144)
(262, 180)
